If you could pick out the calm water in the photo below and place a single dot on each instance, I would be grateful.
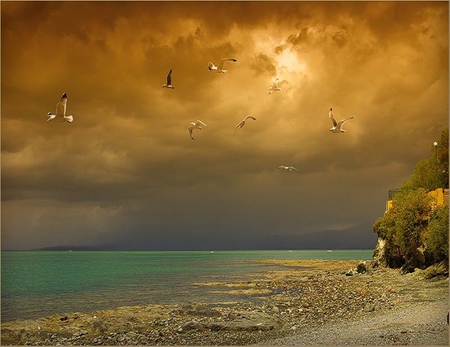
(36, 284)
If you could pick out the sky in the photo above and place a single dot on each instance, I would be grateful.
(126, 175)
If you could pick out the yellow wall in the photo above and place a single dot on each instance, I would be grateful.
(440, 196)
(388, 204)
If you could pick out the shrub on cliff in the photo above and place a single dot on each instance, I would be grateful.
(436, 237)
(403, 226)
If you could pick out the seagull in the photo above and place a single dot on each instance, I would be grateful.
(288, 168)
(337, 126)
(61, 111)
(274, 87)
(195, 125)
(168, 84)
(219, 69)
(242, 123)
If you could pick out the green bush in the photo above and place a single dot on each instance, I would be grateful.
(436, 237)
(402, 227)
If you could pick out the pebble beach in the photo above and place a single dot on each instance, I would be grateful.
(308, 302)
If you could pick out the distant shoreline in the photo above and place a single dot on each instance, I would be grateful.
(324, 294)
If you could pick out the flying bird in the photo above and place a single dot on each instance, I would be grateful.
(168, 84)
(61, 111)
(219, 68)
(274, 87)
(337, 126)
(242, 123)
(195, 125)
(287, 168)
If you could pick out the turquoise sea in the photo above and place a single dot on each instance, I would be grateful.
(41, 283)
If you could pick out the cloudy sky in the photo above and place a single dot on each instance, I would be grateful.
(125, 173)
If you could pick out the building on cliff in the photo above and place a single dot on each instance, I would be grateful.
(440, 197)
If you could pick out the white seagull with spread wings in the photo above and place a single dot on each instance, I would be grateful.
(168, 84)
(61, 111)
(219, 68)
(337, 126)
(287, 168)
(195, 125)
(274, 87)
(242, 123)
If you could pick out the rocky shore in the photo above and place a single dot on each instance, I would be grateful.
(310, 302)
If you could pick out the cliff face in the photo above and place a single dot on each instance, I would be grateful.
(386, 256)
(379, 257)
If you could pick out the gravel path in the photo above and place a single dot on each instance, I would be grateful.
(418, 324)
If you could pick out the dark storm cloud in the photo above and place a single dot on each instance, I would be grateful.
(126, 169)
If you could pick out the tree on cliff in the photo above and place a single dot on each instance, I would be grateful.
(431, 173)
(413, 231)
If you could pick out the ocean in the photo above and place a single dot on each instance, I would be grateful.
(41, 283)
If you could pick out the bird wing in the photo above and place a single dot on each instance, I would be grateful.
(50, 116)
(61, 106)
(342, 122)
(330, 114)
(239, 125)
(249, 117)
(169, 78)
(191, 133)
(224, 61)
(201, 123)
(292, 168)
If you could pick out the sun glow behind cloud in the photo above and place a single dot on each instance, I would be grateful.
(288, 63)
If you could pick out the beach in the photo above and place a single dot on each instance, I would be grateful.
(317, 302)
